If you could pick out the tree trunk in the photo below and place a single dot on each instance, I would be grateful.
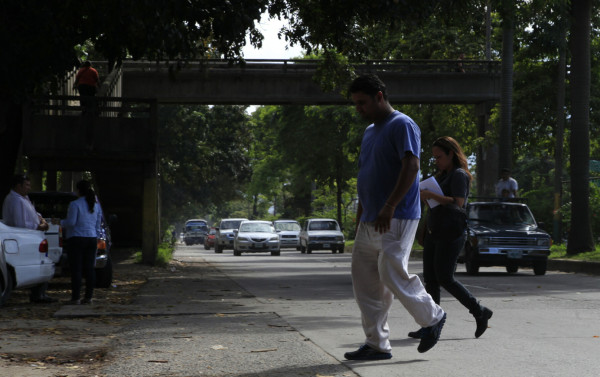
(580, 236)
(560, 126)
(505, 147)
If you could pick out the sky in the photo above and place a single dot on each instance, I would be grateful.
(273, 48)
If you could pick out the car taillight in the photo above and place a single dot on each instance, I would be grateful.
(101, 245)
(43, 246)
(60, 236)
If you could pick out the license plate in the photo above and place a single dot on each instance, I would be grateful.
(259, 245)
(514, 254)
(326, 245)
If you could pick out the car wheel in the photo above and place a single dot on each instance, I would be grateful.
(104, 276)
(237, 253)
(218, 249)
(539, 268)
(471, 262)
(333, 250)
(276, 253)
(5, 288)
(511, 268)
(308, 250)
(187, 243)
(341, 249)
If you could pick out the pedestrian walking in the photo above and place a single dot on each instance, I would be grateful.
(388, 215)
(445, 234)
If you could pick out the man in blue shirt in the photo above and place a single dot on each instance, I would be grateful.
(388, 216)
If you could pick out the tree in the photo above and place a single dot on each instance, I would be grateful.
(580, 237)
(203, 159)
(39, 38)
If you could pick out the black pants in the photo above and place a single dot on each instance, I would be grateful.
(439, 263)
(87, 100)
(82, 259)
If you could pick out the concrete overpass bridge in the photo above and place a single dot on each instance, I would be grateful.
(118, 142)
(284, 82)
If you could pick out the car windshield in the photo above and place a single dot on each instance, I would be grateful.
(256, 227)
(500, 214)
(212, 231)
(323, 225)
(231, 224)
(196, 227)
(291, 226)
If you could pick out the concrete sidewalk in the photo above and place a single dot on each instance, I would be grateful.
(191, 320)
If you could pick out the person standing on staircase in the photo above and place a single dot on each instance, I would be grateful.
(86, 82)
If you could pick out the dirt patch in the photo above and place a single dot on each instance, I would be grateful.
(34, 343)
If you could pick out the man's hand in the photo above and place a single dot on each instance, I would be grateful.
(384, 219)
(43, 225)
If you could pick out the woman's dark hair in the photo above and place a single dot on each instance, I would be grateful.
(85, 189)
(447, 144)
(370, 85)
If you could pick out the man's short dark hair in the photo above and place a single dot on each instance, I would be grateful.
(369, 84)
(505, 170)
(18, 179)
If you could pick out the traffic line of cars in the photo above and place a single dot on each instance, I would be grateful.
(255, 236)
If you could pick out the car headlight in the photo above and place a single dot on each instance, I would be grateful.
(543, 241)
(339, 238)
(274, 238)
(483, 241)
(242, 238)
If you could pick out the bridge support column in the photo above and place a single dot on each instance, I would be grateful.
(150, 215)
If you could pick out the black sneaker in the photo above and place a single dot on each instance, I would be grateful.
(431, 336)
(482, 321)
(417, 334)
(367, 353)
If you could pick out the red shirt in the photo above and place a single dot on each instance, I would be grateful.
(87, 76)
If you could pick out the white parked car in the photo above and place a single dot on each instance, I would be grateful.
(24, 260)
(289, 233)
(255, 236)
(321, 234)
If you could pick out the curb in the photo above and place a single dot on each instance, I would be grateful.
(562, 265)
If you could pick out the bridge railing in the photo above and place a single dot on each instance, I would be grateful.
(99, 106)
(400, 66)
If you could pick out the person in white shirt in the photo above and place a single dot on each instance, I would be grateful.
(18, 211)
(507, 186)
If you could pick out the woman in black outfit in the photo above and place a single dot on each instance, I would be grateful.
(446, 231)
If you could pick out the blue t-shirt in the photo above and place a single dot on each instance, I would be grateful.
(383, 147)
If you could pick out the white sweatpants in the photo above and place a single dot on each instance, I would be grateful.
(379, 272)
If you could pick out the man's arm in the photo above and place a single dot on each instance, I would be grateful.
(406, 178)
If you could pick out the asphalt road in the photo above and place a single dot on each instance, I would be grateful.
(542, 325)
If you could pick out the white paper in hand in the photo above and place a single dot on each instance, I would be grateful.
(431, 185)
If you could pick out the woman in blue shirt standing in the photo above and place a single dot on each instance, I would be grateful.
(82, 227)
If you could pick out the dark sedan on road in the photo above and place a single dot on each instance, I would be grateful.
(504, 234)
